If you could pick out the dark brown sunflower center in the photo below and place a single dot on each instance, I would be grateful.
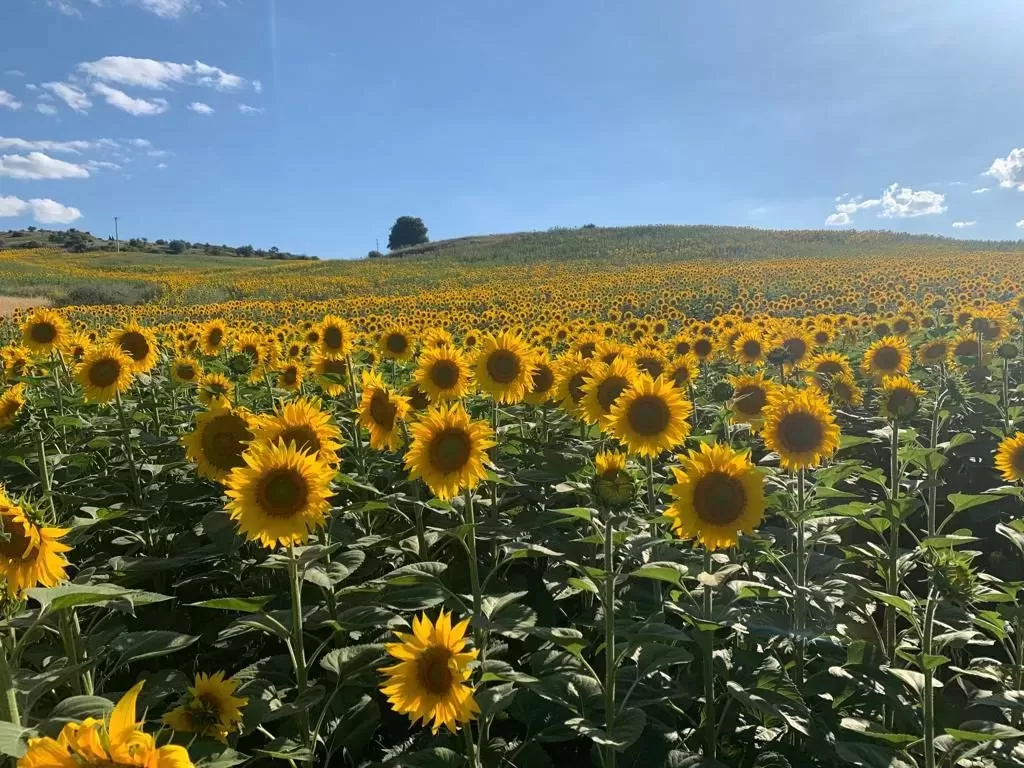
(934, 351)
(751, 348)
(649, 415)
(396, 343)
(719, 498)
(135, 344)
(304, 437)
(433, 671)
(336, 367)
(186, 372)
(252, 351)
(967, 348)
(795, 348)
(587, 349)
(283, 493)
(444, 374)
(503, 366)
(450, 450)
(312, 337)
(901, 326)
(1017, 459)
(683, 347)
(651, 365)
(829, 367)
(576, 382)
(290, 375)
(886, 359)
(543, 379)
(215, 337)
(800, 432)
(43, 333)
(18, 543)
(383, 410)
(980, 324)
(104, 373)
(750, 399)
(224, 441)
(417, 398)
(702, 347)
(608, 391)
(681, 375)
(332, 337)
(901, 402)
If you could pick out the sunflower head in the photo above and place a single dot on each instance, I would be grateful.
(934, 352)
(900, 397)
(429, 680)
(214, 389)
(844, 390)
(749, 397)
(504, 367)
(1010, 458)
(213, 336)
(612, 486)
(186, 371)
(887, 356)
(718, 493)
(443, 373)
(649, 417)
(604, 387)
(218, 441)
(11, 403)
(800, 427)
(448, 450)
(336, 339)
(304, 423)
(290, 376)
(542, 386)
(212, 709)
(43, 331)
(30, 554)
(139, 344)
(396, 343)
(381, 412)
(104, 372)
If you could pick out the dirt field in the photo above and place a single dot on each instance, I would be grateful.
(10, 303)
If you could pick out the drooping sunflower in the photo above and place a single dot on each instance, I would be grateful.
(139, 344)
(504, 367)
(218, 441)
(443, 373)
(11, 403)
(290, 375)
(604, 387)
(649, 417)
(304, 423)
(749, 397)
(824, 366)
(934, 352)
(888, 356)
(1010, 458)
(683, 371)
(214, 389)
(212, 710)
(75, 346)
(429, 681)
(542, 390)
(44, 331)
(448, 450)
(612, 485)
(418, 400)
(108, 743)
(32, 555)
(104, 372)
(213, 336)
(396, 343)
(900, 397)
(718, 493)
(844, 390)
(279, 494)
(382, 412)
(16, 361)
(332, 374)
(335, 337)
(186, 371)
(800, 427)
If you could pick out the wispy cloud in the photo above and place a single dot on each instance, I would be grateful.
(159, 75)
(37, 165)
(963, 224)
(202, 109)
(895, 202)
(8, 101)
(245, 109)
(43, 210)
(129, 104)
(71, 95)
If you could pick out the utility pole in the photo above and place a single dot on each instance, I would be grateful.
(117, 237)
(378, 245)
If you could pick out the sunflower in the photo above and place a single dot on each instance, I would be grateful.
(11, 402)
(304, 423)
(649, 417)
(504, 367)
(934, 352)
(543, 387)
(332, 374)
(30, 555)
(213, 336)
(443, 373)
(186, 371)
(612, 485)
(749, 397)
(279, 494)
(1010, 458)
(418, 400)
(749, 348)
(888, 356)
(718, 493)
(139, 344)
(604, 387)
(104, 372)
(16, 361)
(213, 710)
(396, 343)
(796, 341)
(799, 426)
(44, 331)
(571, 372)
(109, 743)
(381, 411)
(703, 348)
(822, 367)
(290, 376)
(843, 389)
(900, 397)
(683, 371)
(335, 337)
(448, 450)
(429, 680)
(75, 346)
(217, 443)
(437, 337)
(214, 389)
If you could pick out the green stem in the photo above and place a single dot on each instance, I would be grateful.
(479, 635)
(298, 640)
(892, 575)
(126, 437)
(71, 637)
(800, 578)
(471, 753)
(928, 704)
(1006, 398)
(1018, 667)
(609, 636)
(44, 473)
(710, 724)
(652, 510)
(9, 699)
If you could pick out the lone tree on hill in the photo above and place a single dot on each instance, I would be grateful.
(407, 230)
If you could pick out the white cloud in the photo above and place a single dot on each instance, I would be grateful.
(257, 86)
(1020, 224)
(896, 202)
(33, 87)
(1009, 170)
(75, 147)
(43, 210)
(150, 73)
(14, 73)
(981, 190)
(7, 100)
(161, 166)
(202, 109)
(46, 109)
(963, 224)
(838, 220)
(64, 7)
(846, 206)
(168, 9)
(70, 95)
(36, 165)
(245, 109)
(98, 165)
(129, 104)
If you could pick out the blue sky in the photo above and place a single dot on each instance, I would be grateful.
(312, 124)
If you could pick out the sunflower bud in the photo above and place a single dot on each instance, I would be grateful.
(613, 487)
(1007, 350)
(955, 578)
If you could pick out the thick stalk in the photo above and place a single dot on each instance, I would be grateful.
(892, 576)
(800, 578)
(609, 636)
(928, 704)
(71, 637)
(44, 474)
(9, 699)
(1008, 428)
(933, 492)
(710, 724)
(652, 510)
(297, 640)
(479, 635)
(126, 437)
(357, 434)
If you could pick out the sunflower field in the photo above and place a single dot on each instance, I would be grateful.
(695, 514)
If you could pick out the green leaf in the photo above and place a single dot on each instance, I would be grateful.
(876, 731)
(913, 679)
(866, 755)
(148, 644)
(947, 541)
(72, 595)
(13, 739)
(580, 513)
(253, 604)
(982, 730)
(901, 605)
(352, 660)
(433, 757)
(662, 571)
(962, 501)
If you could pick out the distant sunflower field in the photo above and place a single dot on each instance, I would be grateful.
(694, 514)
